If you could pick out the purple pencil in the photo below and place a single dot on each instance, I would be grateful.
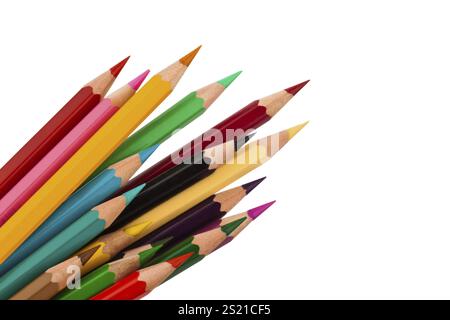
(199, 216)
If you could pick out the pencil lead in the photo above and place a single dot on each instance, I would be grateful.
(85, 256)
(161, 242)
(250, 136)
(187, 59)
(240, 141)
(118, 67)
(229, 80)
(130, 195)
(136, 83)
(252, 185)
(178, 261)
(145, 154)
(294, 89)
(231, 226)
(294, 130)
(256, 212)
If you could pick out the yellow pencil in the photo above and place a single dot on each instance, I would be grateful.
(66, 180)
(246, 159)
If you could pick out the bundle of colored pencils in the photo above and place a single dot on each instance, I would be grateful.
(75, 223)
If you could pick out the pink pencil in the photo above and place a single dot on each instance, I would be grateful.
(66, 148)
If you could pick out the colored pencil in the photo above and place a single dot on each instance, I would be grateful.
(245, 120)
(141, 282)
(179, 178)
(74, 172)
(52, 132)
(110, 273)
(196, 246)
(90, 195)
(179, 115)
(111, 243)
(64, 244)
(55, 279)
(249, 217)
(200, 215)
(65, 148)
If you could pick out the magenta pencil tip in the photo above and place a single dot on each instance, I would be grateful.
(294, 89)
(256, 212)
(136, 83)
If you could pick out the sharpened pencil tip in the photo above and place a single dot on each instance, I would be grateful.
(231, 226)
(294, 130)
(136, 82)
(252, 185)
(145, 154)
(118, 67)
(161, 242)
(249, 136)
(187, 59)
(294, 89)
(229, 80)
(130, 195)
(178, 261)
(256, 212)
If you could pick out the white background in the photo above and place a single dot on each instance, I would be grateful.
(362, 192)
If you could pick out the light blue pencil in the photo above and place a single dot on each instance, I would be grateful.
(96, 191)
(66, 243)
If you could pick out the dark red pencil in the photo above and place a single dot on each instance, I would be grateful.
(52, 132)
(247, 119)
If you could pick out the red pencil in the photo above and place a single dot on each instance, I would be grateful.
(140, 283)
(247, 119)
(52, 132)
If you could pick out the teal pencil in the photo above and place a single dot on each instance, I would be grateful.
(65, 243)
(96, 191)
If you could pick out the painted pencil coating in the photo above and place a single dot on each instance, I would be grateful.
(63, 150)
(90, 195)
(247, 119)
(64, 244)
(59, 187)
(178, 116)
(47, 137)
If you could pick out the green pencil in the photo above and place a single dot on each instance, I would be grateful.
(108, 274)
